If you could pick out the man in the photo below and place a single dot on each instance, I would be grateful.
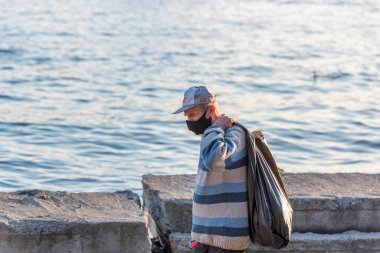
(220, 207)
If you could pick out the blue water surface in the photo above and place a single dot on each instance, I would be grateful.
(87, 88)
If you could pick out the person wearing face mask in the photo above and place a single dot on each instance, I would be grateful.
(220, 200)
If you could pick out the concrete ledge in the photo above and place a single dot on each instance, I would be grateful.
(348, 242)
(43, 221)
(323, 203)
(167, 203)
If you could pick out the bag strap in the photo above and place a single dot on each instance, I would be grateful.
(258, 134)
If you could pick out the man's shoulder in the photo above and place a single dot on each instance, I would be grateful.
(236, 130)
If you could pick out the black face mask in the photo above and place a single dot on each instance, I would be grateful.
(199, 126)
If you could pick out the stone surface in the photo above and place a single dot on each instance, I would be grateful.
(43, 221)
(167, 204)
(323, 203)
(348, 242)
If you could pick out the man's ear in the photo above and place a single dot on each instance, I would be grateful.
(211, 109)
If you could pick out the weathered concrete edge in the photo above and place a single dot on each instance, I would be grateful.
(85, 238)
(350, 241)
(338, 214)
(101, 232)
(155, 214)
(356, 200)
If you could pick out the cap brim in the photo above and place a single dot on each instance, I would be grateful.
(183, 108)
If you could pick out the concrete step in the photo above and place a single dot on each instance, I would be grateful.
(322, 203)
(347, 242)
(60, 222)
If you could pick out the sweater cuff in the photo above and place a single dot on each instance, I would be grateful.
(214, 128)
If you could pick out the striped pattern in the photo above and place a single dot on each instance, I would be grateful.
(220, 198)
(224, 231)
(213, 222)
(220, 207)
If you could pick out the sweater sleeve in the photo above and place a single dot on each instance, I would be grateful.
(217, 144)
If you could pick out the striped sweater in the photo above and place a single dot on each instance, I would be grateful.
(220, 207)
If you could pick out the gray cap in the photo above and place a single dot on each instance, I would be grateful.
(194, 96)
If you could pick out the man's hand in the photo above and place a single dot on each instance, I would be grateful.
(224, 121)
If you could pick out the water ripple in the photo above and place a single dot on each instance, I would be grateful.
(88, 87)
